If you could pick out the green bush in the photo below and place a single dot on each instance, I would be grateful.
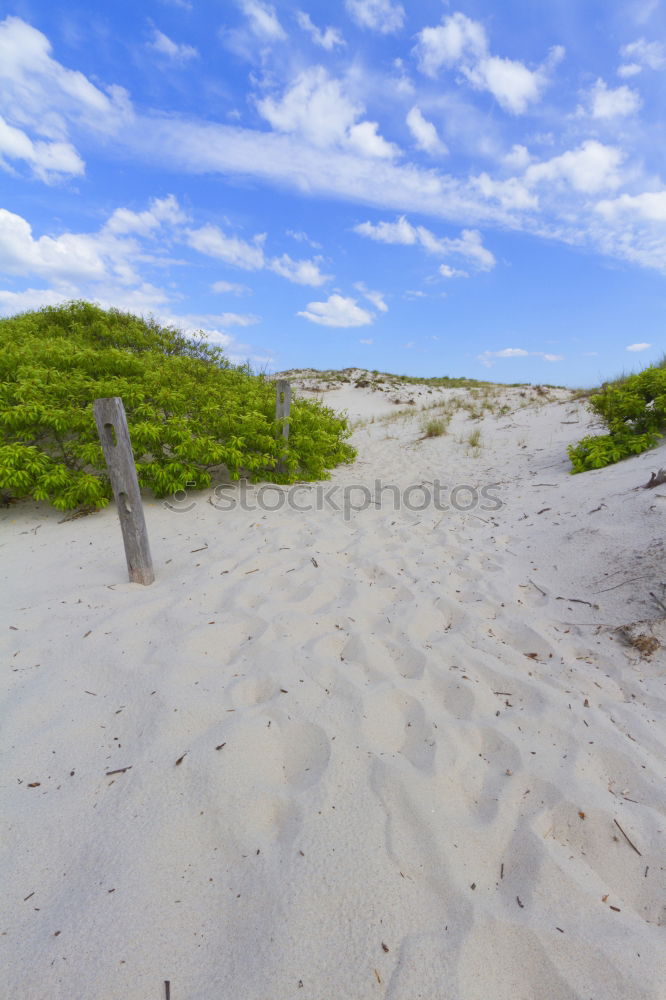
(634, 411)
(189, 410)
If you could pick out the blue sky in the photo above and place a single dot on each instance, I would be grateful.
(426, 188)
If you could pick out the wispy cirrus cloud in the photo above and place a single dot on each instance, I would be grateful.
(382, 16)
(488, 358)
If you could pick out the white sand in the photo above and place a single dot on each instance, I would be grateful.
(404, 766)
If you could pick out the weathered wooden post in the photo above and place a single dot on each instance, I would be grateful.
(282, 409)
(114, 435)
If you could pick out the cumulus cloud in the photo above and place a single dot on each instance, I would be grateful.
(468, 245)
(337, 311)
(39, 99)
(638, 347)
(30, 298)
(650, 205)
(424, 132)
(316, 107)
(456, 39)
(48, 161)
(162, 44)
(301, 272)
(160, 211)
(105, 266)
(251, 256)
(447, 271)
(462, 42)
(211, 241)
(608, 103)
(640, 54)
(590, 168)
(378, 15)
(511, 194)
(42, 94)
(326, 38)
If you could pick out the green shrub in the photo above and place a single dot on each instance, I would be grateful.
(634, 411)
(188, 408)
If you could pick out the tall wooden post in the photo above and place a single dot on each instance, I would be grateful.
(114, 435)
(282, 410)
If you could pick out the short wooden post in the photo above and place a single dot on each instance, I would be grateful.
(114, 435)
(282, 409)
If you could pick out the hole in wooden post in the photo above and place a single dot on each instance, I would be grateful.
(124, 501)
(110, 432)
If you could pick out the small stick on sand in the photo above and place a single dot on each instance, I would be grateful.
(627, 838)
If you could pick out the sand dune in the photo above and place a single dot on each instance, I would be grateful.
(396, 753)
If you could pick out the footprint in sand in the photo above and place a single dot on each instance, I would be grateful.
(453, 692)
(305, 749)
(395, 723)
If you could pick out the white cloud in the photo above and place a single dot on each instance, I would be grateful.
(70, 256)
(451, 272)
(251, 256)
(629, 70)
(643, 53)
(367, 340)
(212, 241)
(511, 193)
(217, 320)
(590, 168)
(651, 205)
(638, 347)
(424, 132)
(263, 20)
(337, 311)
(160, 212)
(462, 42)
(458, 38)
(30, 298)
(38, 92)
(518, 158)
(377, 298)
(511, 83)
(378, 15)
(40, 99)
(162, 44)
(469, 245)
(327, 38)
(48, 161)
(606, 103)
(301, 272)
(229, 288)
(303, 238)
(316, 108)
(488, 358)
(400, 231)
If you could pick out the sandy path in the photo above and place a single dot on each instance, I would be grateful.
(406, 758)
